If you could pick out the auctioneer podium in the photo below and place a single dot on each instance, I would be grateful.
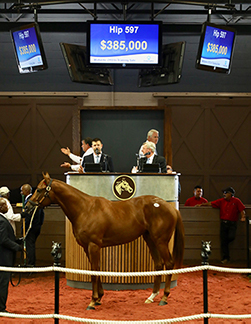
(130, 257)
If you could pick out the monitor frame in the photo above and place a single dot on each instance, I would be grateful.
(99, 76)
(117, 25)
(29, 48)
(165, 74)
(204, 41)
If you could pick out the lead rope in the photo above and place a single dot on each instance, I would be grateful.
(24, 252)
(32, 217)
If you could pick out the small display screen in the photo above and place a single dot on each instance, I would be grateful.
(124, 43)
(216, 48)
(28, 49)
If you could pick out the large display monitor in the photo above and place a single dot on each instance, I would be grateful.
(124, 44)
(216, 48)
(29, 48)
(171, 69)
(75, 59)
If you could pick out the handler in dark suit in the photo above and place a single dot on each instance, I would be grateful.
(32, 226)
(8, 249)
(150, 157)
(98, 156)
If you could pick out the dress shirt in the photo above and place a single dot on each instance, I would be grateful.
(97, 158)
(12, 218)
(78, 159)
(150, 159)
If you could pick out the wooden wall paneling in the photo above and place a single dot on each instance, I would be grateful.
(32, 131)
(54, 130)
(211, 145)
(168, 153)
(16, 141)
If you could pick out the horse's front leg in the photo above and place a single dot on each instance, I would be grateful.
(97, 290)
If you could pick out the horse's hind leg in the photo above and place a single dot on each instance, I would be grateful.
(157, 266)
(97, 290)
(169, 264)
(100, 293)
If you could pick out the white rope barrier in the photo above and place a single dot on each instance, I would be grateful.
(126, 274)
(89, 320)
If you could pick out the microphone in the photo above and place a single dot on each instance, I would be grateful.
(147, 153)
(97, 151)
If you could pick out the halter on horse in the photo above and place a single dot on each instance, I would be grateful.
(98, 222)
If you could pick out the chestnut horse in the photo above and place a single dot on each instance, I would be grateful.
(98, 222)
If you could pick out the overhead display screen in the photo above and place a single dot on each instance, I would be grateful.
(28, 48)
(216, 48)
(124, 44)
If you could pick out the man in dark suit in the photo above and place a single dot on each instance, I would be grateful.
(32, 226)
(150, 157)
(98, 156)
(8, 249)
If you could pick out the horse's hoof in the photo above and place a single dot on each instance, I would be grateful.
(148, 301)
(97, 303)
(162, 303)
(90, 308)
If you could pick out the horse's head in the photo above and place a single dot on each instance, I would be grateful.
(42, 196)
(126, 186)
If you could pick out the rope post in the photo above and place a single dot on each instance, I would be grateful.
(56, 252)
(23, 209)
(248, 247)
(205, 252)
(205, 295)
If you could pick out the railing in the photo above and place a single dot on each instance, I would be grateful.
(57, 269)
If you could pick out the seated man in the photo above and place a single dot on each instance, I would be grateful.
(197, 198)
(150, 157)
(98, 157)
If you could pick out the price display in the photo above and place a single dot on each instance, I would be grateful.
(27, 48)
(217, 47)
(124, 43)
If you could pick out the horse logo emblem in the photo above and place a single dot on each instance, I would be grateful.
(124, 187)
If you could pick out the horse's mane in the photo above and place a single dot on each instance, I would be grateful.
(67, 186)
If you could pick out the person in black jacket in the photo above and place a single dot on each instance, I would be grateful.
(8, 249)
(98, 157)
(32, 226)
(149, 156)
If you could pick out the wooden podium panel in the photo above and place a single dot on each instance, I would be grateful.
(130, 257)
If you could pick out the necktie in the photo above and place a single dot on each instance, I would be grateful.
(97, 159)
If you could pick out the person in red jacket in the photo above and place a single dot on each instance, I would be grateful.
(197, 199)
(230, 208)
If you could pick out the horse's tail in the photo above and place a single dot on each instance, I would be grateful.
(179, 242)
